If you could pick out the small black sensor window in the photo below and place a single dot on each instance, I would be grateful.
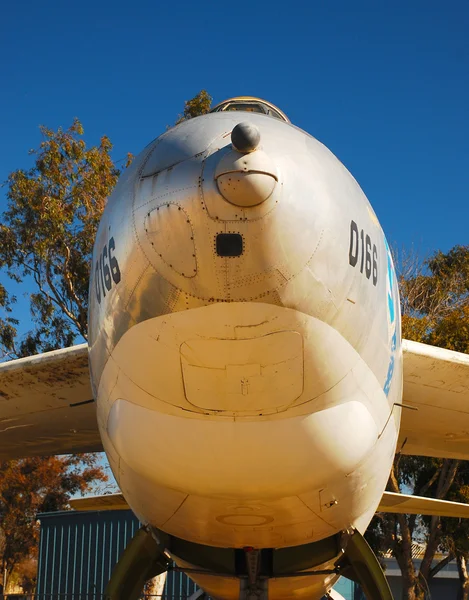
(229, 244)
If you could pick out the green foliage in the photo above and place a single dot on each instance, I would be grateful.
(455, 532)
(199, 105)
(47, 234)
(7, 324)
(435, 300)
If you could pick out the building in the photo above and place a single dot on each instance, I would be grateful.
(78, 551)
(444, 586)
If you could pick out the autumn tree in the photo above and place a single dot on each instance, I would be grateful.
(32, 485)
(199, 105)
(47, 234)
(435, 310)
(435, 299)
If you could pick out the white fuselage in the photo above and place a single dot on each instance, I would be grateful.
(245, 400)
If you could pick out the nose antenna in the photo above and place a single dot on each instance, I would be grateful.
(246, 176)
(245, 137)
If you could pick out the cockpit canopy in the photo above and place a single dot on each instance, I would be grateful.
(250, 104)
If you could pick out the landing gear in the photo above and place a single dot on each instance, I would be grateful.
(360, 564)
(142, 560)
(346, 554)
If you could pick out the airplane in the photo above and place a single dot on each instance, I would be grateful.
(244, 372)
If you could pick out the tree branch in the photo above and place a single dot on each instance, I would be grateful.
(441, 565)
(424, 489)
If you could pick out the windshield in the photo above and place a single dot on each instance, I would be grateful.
(255, 105)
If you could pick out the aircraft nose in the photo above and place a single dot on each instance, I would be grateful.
(246, 176)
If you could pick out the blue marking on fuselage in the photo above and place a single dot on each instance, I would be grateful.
(387, 383)
(392, 312)
(392, 321)
(391, 308)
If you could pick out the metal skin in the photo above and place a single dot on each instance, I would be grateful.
(246, 400)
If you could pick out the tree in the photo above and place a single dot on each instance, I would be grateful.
(32, 485)
(199, 105)
(435, 310)
(47, 233)
(7, 324)
(435, 299)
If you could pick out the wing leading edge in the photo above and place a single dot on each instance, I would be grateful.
(46, 405)
(419, 505)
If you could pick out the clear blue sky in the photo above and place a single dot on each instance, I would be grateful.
(384, 85)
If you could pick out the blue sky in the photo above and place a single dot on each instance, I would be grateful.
(384, 85)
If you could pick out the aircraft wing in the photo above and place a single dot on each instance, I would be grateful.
(418, 505)
(46, 405)
(106, 502)
(436, 383)
(390, 503)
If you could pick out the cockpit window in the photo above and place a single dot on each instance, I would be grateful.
(254, 105)
(246, 106)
